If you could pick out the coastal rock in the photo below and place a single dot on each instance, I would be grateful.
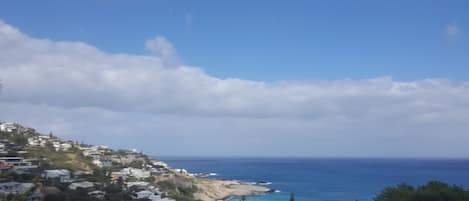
(211, 189)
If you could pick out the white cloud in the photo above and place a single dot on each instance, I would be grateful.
(453, 32)
(80, 91)
(162, 48)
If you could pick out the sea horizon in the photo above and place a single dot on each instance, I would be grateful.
(330, 179)
(304, 157)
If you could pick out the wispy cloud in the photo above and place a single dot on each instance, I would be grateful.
(453, 32)
(189, 20)
(162, 48)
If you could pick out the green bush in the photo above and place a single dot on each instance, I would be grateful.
(177, 192)
(432, 191)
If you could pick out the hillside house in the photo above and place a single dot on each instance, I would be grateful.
(7, 127)
(102, 163)
(2, 148)
(40, 140)
(19, 164)
(61, 146)
(92, 152)
(97, 194)
(135, 172)
(15, 187)
(62, 175)
(84, 185)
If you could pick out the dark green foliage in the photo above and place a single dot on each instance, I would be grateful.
(432, 191)
(136, 164)
(150, 179)
(11, 176)
(178, 192)
(14, 197)
(55, 197)
(19, 139)
(99, 175)
(113, 188)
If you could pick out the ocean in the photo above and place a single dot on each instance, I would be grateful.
(328, 179)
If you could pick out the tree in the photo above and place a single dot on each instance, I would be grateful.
(36, 180)
(292, 197)
(432, 191)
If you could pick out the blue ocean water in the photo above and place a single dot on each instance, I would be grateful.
(328, 179)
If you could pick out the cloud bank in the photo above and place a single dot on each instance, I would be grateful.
(84, 93)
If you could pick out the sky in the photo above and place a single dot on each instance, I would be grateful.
(242, 78)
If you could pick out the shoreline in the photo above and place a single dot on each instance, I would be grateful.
(216, 189)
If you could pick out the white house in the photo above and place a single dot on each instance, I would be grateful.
(135, 172)
(61, 174)
(182, 171)
(2, 148)
(7, 127)
(92, 152)
(40, 140)
(83, 185)
(160, 164)
(140, 184)
(97, 194)
(146, 194)
(102, 163)
(61, 146)
(15, 187)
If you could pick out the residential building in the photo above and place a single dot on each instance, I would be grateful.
(2, 148)
(19, 164)
(85, 185)
(160, 164)
(92, 152)
(135, 172)
(61, 146)
(115, 176)
(7, 127)
(102, 163)
(61, 174)
(97, 194)
(15, 187)
(40, 140)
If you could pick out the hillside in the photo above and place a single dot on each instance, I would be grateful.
(35, 166)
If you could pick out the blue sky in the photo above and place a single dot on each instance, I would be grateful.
(269, 40)
(242, 78)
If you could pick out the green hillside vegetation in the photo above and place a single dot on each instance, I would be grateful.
(432, 191)
(19, 138)
(177, 190)
(72, 159)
